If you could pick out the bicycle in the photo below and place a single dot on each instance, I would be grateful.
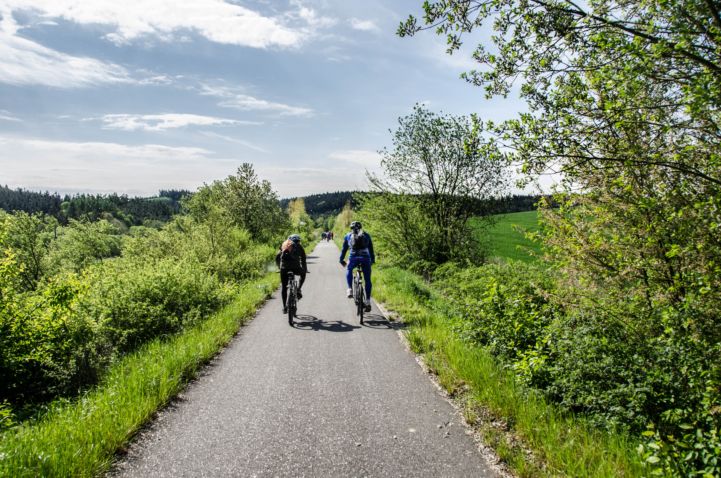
(359, 292)
(292, 301)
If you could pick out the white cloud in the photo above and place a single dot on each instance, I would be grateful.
(67, 166)
(231, 98)
(24, 62)
(368, 159)
(6, 116)
(241, 142)
(250, 103)
(363, 25)
(216, 20)
(117, 150)
(160, 122)
(310, 16)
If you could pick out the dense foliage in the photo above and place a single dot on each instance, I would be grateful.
(325, 204)
(75, 298)
(241, 200)
(437, 172)
(624, 101)
(128, 210)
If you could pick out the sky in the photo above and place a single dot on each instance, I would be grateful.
(102, 96)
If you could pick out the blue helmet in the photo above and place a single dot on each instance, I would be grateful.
(294, 237)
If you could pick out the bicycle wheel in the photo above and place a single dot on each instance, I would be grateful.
(292, 304)
(359, 296)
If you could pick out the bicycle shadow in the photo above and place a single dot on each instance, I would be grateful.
(311, 322)
(378, 321)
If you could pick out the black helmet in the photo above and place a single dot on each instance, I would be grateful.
(294, 237)
(355, 225)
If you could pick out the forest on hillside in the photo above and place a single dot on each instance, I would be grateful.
(131, 211)
(331, 204)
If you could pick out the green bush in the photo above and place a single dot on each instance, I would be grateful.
(692, 445)
(42, 341)
(60, 339)
(133, 301)
(81, 244)
(617, 361)
(230, 255)
(29, 237)
(504, 306)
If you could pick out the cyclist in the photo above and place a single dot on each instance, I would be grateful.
(361, 253)
(291, 258)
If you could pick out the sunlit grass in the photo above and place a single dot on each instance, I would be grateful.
(528, 433)
(506, 237)
(80, 437)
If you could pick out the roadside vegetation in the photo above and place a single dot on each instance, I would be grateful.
(80, 437)
(617, 321)
(100, 325)
(612, 323)
(528, 431)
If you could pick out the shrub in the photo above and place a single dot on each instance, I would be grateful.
(136, 301)
(60, 339)
(29, 237)
(504, 306)
(81, 244)
(229, 256)
(617, 361)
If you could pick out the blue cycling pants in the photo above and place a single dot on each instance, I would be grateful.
(365, 263)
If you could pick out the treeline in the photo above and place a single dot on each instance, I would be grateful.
(325, 204)
(76, 297)
(331, 204)
(132, 211)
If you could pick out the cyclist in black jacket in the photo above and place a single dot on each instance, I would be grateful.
(291, 258)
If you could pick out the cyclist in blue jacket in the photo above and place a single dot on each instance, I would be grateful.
(360, 245)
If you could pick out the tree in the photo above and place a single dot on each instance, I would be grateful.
(300, 222)
(590, 73)
(242, 200)
(624, 100)
(253, 204)
(438, 169)
(28, 237)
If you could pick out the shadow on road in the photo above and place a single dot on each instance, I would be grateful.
(310, 322)
(377, 321)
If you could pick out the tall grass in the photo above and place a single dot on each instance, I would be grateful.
(80, 437)
(528, 433)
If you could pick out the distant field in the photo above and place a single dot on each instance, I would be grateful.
(506, 238)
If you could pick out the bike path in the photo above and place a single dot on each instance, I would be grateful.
(327, 397)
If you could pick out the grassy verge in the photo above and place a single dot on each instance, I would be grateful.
(79, 438)
(530, 435)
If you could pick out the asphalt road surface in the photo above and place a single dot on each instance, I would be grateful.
(327, 397)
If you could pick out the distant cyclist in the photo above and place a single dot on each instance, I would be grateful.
(361, 253)
(291, 258)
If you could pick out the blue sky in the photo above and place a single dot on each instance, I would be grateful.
(135, 96)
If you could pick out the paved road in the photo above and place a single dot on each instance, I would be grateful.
(325, 398)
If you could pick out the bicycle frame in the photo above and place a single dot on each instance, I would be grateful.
(292, 300)
(359, 291)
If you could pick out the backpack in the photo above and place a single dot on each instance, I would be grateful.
(358, 242)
